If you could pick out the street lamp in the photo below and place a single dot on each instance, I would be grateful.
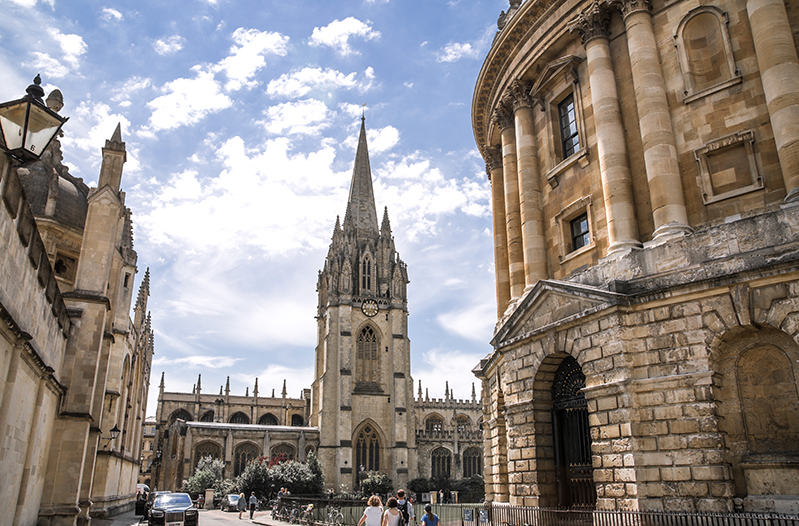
(28, 125)
(114, 434)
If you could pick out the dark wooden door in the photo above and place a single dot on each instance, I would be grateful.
(572, 438)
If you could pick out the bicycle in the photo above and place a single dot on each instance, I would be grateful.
(306, 515)
(334, 516)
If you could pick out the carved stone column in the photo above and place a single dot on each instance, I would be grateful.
(614, 166)
(532, 217)
(493, 159)
(504, 118)
(779, 72)
(660, 152)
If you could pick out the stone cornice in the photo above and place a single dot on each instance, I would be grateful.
(527, 19)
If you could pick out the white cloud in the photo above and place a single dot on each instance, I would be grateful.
(44, 62)
(299, 83)
(454, 51)
(71, 45)
(130, 87)
(90, 125)
(305, 117)
(111, 15)
(32, 3)
(382, 139)
(338, 32)
(247, 56)
(475, 322)
(440, 367)
(195, 361)
(169, 45)
(186, 101)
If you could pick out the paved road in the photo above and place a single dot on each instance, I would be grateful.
(207, 518)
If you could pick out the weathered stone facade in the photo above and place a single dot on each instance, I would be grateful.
(646, 226)
(73, 364)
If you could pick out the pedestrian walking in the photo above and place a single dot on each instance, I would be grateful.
(253, 504)
(241, 505)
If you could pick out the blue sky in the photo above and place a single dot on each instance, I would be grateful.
(241, 121)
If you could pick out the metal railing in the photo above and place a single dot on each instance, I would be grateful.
(495, 514)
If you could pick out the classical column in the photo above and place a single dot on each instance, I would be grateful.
(493, 159)
(779, 72)
(532, 217)
(614, 166)
(504, 118)
(660, 152)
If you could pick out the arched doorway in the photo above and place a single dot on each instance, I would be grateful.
(573, 469)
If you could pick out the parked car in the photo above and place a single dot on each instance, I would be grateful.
(230, 502)
(150, 499)
(173, 508)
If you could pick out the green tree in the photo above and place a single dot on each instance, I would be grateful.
(376, 483)
(471, 489)
(257, 477)
(208, 472)
(318, 485)
(419, 485)
(295, 476)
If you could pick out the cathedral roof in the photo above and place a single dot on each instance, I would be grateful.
(361, 212)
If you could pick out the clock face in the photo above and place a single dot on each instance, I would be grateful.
(370, 308)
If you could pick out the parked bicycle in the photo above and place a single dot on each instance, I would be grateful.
(306, 514)
(333, 516)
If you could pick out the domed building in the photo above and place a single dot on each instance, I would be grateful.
(644, 165)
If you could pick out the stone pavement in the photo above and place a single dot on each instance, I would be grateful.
(126, 519)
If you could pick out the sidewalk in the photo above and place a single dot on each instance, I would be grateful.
(126, 519)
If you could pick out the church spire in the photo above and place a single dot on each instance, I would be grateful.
(361, 212)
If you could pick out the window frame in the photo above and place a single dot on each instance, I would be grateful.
(559, 80)
(563, 221)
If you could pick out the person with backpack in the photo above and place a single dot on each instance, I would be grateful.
(405, 507)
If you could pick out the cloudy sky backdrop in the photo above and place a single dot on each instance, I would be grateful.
(241, 120)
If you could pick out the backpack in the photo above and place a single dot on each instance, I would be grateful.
(403, 508)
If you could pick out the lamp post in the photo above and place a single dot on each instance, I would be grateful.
(28, 125)
(114, 434)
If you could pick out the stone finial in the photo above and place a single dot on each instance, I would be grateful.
(284, 388)
(446, 390)
(385, 228)
(220, 390)
(474, 394)
(55, 101)
(592, 23)
(273, 392)
(199, 382)
(426, 394)
(247, 391)
(227, 386)
(420, 389)
(35, 90)
(255, 389)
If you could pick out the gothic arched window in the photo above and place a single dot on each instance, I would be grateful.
(245, 454)
(281, 453)
(208, 416)
(297, 420)
(366, 274)
(239, 418)
(472, 462)
(367, 449)
(367, 356)
(268, 420)
(207, 449)
(181, 414)
(464, 424)
(434, 425)
(441, 463)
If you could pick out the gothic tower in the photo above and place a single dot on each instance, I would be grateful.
(362, 399)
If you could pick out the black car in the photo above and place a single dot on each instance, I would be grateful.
(173, 509)
(149, 502)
